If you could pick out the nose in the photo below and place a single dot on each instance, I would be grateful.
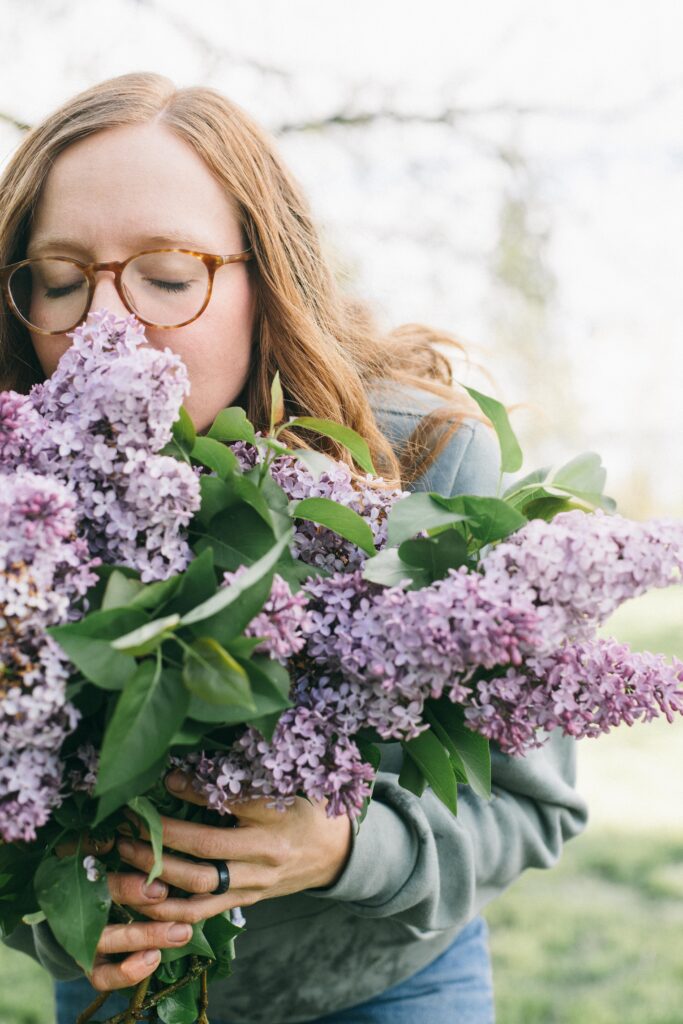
(105, 294)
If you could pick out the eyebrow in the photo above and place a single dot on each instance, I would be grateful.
(178, 241)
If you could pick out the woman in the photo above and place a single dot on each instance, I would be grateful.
(377, 926)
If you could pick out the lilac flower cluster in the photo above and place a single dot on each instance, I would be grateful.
(81, 477)
(393, 648)
(99, 424)
(585, 566)
(314, 544)
(585, 689)
(508, 643)
(44, 569)
(307, 755)
(280, 622)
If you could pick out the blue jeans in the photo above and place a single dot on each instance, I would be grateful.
(456, 988)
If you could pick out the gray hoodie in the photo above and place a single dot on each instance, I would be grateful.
(417, 874)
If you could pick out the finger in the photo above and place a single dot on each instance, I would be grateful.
(198, 908)
(210, 842)
(251, 810)
(106, 976)
(188, 875)
(140, 935)
(131, 889)
(181, 785)
(193, 877)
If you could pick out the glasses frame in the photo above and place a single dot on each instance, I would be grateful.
(210, 260)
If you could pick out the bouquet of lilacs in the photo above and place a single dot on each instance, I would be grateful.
(264, 619)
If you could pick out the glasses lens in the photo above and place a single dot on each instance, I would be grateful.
(50, 294)
(166, 288)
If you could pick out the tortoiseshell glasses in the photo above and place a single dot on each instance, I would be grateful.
(164, 288)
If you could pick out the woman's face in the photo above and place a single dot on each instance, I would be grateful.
(106, 197)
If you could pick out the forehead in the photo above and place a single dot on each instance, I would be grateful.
(128, 184)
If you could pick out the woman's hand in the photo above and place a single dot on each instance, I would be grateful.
(142, 939)
(271, 853)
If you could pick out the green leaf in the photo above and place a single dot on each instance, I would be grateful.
(315, 462)
(145, 639)
(211, 673)
(277, 402)
(232, 425)
(197, 946)
(183, 431)
(216, 455)
(227, 596)
(120, 591)
(419, 511)
(430, 756)
(582, 474)
(153, 595)
(197, 584)
(471, 747)
(410, 776)
(120, 794)
(87, 643)
(351, 440)
(181, 1006)
(339, 518)
(435, 555)
(237, 537)
(579, 483)
(146, 810)
(221, 933)
(147, 715)
(488, 519)
(76, 909)
(269, 689)
(227, 625)
(510, 451)
(389, 569)
(36, 918)
(216, 495)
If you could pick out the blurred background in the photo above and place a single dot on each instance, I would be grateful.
(512, 172)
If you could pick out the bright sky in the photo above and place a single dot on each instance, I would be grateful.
(413, 210)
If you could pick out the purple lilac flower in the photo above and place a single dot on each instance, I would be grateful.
(30, 783)
(314, 544)
(584, 688)
(384, 651)
(281, 620)
(99, 424)
(44, 569)
(586, 565)
(82, 777)
(305, 756)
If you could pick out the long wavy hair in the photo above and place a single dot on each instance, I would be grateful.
(326, 343)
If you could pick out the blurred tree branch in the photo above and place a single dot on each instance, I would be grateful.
(14, 122)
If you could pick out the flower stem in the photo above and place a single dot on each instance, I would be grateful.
(203, 999)
(137, 1001)
(93, 1008)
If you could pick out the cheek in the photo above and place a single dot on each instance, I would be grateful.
(49, 350)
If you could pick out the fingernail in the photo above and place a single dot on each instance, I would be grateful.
(156, 888)
(178, 932)
(125, 847)
(176, 782)
(151, 956)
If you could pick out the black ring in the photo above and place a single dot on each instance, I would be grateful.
(223, 870)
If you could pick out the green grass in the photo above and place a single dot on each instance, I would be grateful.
(595, 940)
